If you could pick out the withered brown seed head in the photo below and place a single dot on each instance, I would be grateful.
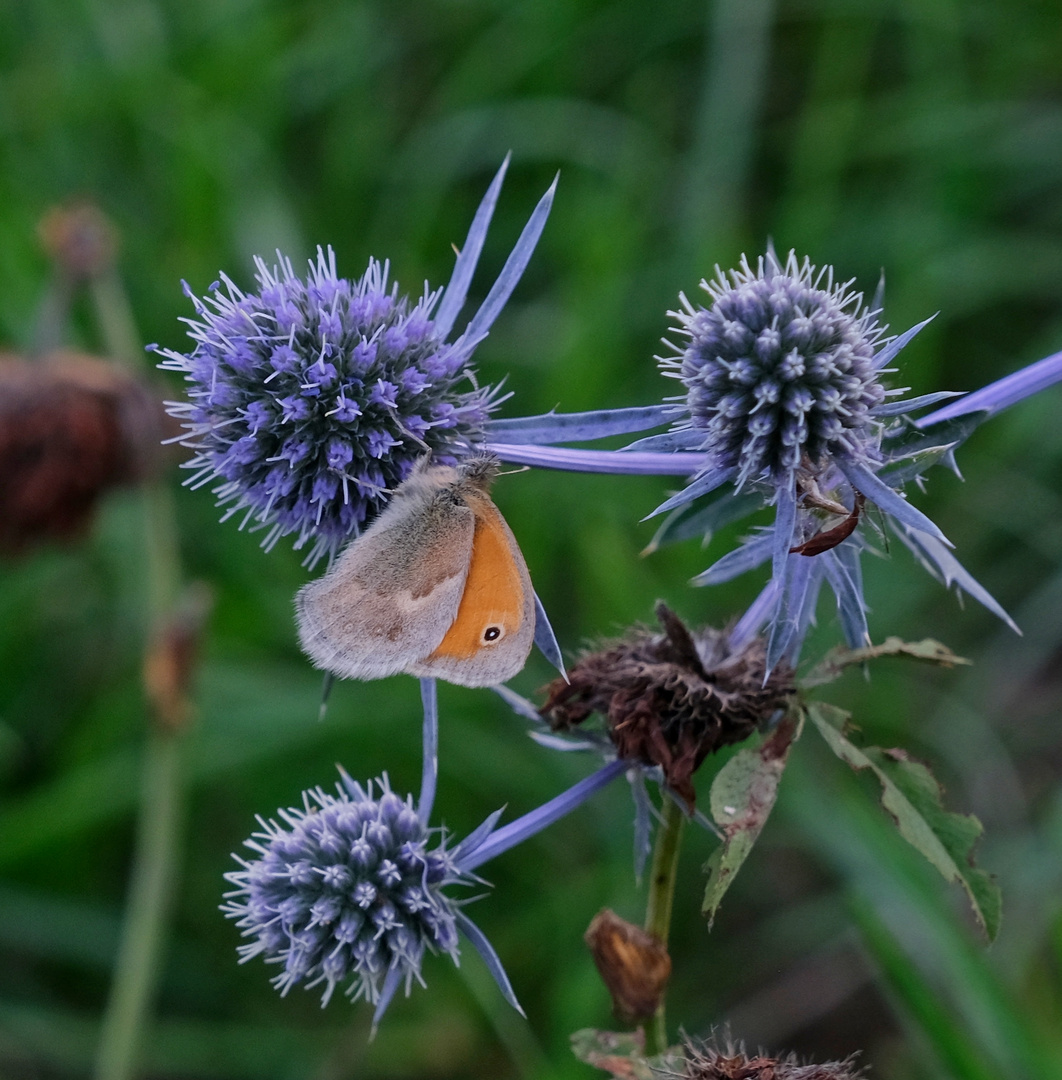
(71, 427)
(633, 964)
(170, 661)
(671, 699)
(706, 1062)
(79, 239)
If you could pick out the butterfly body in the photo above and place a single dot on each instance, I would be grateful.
(436, 586)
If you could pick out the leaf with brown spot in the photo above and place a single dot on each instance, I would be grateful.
(622, 1054)
(913, 799)
(742, 796)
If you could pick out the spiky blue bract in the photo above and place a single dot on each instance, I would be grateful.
(347, 889)
(310, 399)
(783, 395)
(1003, 393)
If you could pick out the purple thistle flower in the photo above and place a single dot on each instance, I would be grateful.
(784, 396)
(784, 404)
(311, 399)
(354, 887)
(349, 887)
(782, 376)
(779, 371)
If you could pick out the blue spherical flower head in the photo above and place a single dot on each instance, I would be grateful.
(784, 397)
(351, 888)
(780, 371)
(311, 399)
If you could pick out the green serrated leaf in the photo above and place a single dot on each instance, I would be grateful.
(621, 1053)
(742, 796)
(913, 798)
(928, 651)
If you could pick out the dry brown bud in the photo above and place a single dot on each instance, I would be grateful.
(671, 699)
(633, 964)
(79, 239)
(71, 428)
(171, 656)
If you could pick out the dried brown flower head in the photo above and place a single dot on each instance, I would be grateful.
(706, 1062)
(71, 427)
(671, 699)
(633, 964)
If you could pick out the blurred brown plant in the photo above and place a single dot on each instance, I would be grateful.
(170, 660)
(79, 239)
(72, 427)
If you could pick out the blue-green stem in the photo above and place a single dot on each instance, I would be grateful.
(156, 852)
(658, 908)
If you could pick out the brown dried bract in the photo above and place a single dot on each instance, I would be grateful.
(671, 699)
(633, 964)
(704, 1062)
(71, 427)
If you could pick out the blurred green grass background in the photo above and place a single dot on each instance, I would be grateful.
(922, 138)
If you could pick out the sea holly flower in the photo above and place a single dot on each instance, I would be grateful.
(310, 399)
(347, 887)
(779, 372)
(784, 395)
(785, 404)
(355, 888)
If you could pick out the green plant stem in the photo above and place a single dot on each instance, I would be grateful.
(159, 817)
(146, 909)
(659, 905)
(115, 316)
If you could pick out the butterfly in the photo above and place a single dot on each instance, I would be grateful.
(436, 586)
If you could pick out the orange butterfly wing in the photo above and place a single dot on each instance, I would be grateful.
(496, 600)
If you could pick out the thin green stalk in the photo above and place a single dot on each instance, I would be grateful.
(148, 903)
(115, 316)
(659, 905)
(157, 846)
